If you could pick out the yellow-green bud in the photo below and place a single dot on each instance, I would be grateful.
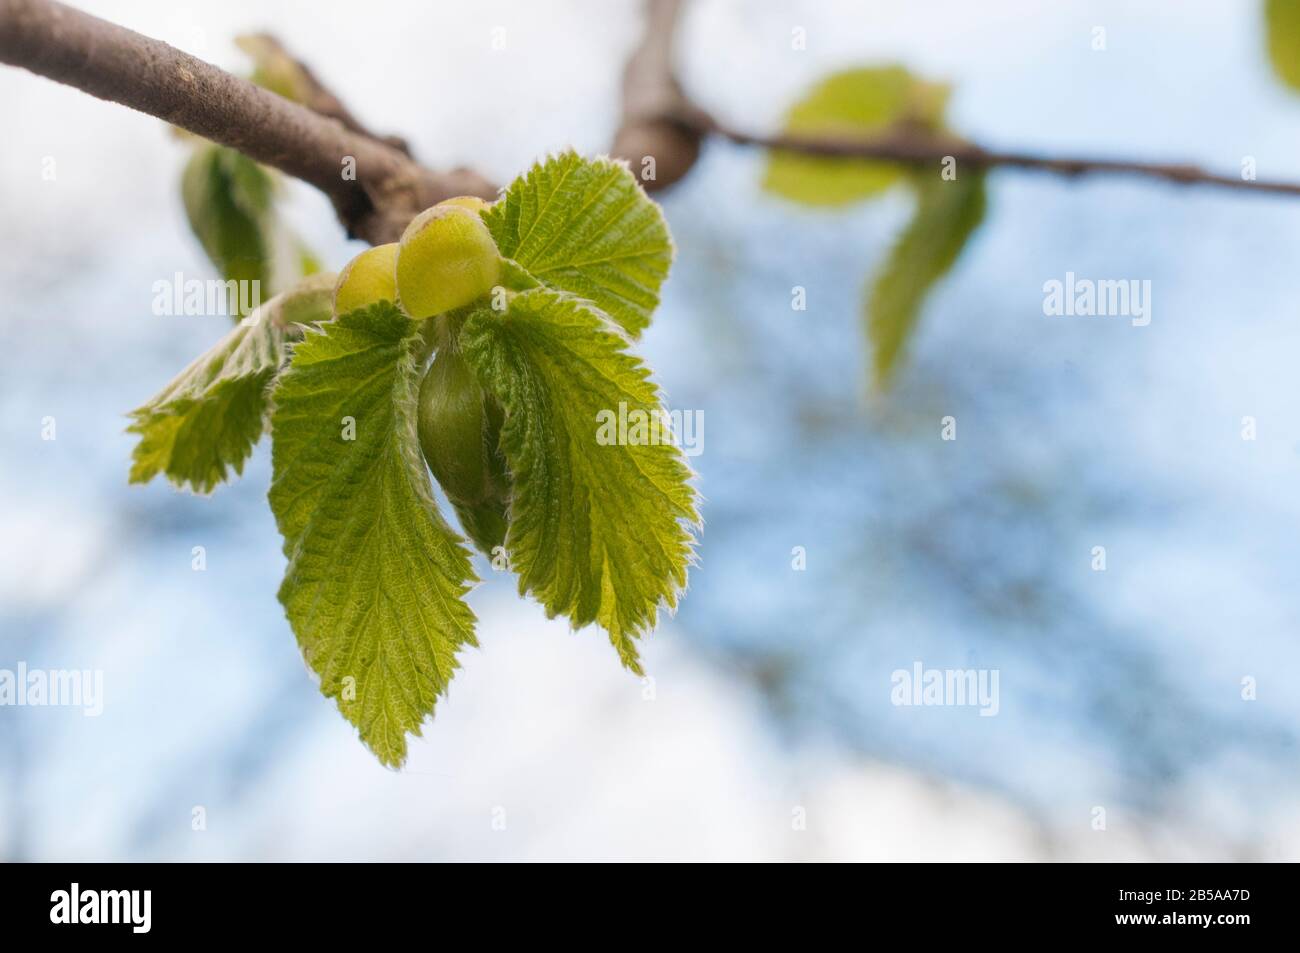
(446, 260)
(370, 277)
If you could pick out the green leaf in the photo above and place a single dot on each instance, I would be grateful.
(376, 580)
(858, 104)
(598, 532)
(228, 200)
(586, 226)
(1282, 25)
(230, 203)
(210, 416)
(947, 212)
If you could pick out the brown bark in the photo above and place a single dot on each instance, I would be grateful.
(119, 65)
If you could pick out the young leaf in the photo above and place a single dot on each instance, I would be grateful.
(586, 226)
(230, 203)
(947, 212)
(375, 583)
(210, 416)
(854, 104)
(228, 200)
(1282, 23)
(601, 530)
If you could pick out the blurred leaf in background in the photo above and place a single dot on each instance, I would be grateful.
(273, 68)
(946, 214)
(856, 104)
(1282, 26)
(869, 103)
(230, 200)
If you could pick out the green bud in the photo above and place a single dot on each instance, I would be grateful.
(446, 260)
(485, 524)
(460, 432)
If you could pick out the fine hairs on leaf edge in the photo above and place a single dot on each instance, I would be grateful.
(272, 314)
(603, 160)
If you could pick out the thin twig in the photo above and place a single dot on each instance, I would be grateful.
(661, 121)
(916, 146)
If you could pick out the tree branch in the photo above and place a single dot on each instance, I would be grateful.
(659, 121)
(117, 64)
(315, 95)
